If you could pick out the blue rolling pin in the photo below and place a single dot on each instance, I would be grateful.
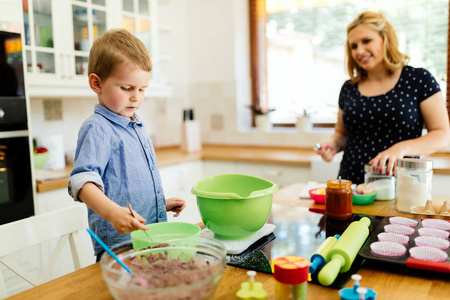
(318, 259)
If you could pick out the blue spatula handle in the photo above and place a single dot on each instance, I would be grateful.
(95, 237)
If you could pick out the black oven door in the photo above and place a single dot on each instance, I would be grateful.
(16, 190)
(16, 186)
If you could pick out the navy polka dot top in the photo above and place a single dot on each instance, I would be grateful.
(375, 123)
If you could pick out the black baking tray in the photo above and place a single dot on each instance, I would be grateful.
(404, 260)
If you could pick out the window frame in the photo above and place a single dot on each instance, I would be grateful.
(258, 64)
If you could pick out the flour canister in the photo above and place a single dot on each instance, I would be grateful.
(413, 186)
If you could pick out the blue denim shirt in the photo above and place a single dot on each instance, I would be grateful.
(117, 155)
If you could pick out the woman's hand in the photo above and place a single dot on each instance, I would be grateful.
(327, 150)
(388, 158)
(337, 142)
(176, 205)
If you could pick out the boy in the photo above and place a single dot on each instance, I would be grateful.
(115, 161)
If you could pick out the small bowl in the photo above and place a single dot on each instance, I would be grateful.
(166, 271)
(234, 206)
(40, 159)
(175, 233)
(364, 199)
(318, 198)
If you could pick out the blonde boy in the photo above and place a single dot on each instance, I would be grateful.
(115, 161)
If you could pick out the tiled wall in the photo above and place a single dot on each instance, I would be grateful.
(222, 108)
(74, 112)
(162, 118)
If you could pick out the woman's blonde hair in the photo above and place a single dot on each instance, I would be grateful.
(393, 58)
(115, 47)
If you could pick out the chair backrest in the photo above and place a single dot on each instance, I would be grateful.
(64, 224)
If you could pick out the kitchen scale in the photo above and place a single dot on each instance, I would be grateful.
(239, 250)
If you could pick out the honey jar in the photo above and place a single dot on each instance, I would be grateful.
(339, 199)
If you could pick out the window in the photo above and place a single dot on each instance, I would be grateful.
(302, 47)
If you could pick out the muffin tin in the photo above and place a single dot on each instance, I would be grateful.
(405, 258)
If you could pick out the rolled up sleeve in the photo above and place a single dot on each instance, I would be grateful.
(77, 181)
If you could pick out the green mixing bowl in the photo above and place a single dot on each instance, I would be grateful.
(234, 206)
(173, 233)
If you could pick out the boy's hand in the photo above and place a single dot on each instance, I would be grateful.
(124, 222)
(119, 217)
(176, 205)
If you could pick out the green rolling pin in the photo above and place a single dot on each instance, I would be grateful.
(341, 256)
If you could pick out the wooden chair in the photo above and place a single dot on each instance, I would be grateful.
(63, 225)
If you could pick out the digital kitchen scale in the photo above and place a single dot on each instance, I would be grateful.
(239, 250)
(239, 246)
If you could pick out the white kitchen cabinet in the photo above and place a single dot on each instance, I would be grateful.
(177, 181)
(213, 167)
(59, 34)
(52, 200)
(281, 175)
(57, 39)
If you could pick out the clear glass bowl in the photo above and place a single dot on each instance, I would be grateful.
(166, 271)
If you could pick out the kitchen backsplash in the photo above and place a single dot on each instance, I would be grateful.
(162, 118)
(216, 105)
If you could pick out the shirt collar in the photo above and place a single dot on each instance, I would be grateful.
(115, 118)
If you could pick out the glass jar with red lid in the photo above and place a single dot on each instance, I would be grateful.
(339, 199)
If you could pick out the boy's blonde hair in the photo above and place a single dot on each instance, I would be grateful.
(393, 58)
(115, 47)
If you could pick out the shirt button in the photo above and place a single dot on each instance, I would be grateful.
(161, 215)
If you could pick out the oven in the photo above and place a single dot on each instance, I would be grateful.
(16, 186)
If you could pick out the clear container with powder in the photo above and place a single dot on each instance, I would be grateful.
(383, 184)
(413, 186)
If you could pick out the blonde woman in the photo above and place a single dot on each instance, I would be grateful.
(385, 104)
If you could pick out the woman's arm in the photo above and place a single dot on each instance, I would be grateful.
(337, 141)
(436, 120)
(118, 216)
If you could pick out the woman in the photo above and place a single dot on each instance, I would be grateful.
(384, 105)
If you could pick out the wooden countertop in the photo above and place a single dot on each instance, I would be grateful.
(290, 196)
(256, 154)
(389, 281)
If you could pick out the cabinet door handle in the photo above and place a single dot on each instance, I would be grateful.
(63, 66)
(71, 66)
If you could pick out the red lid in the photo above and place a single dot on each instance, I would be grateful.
(290, 269)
